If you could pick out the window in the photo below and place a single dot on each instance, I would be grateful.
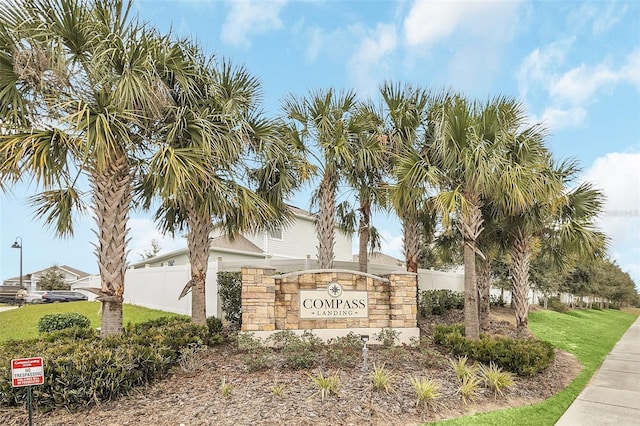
(276, 234)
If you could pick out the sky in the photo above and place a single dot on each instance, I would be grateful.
(574, 65)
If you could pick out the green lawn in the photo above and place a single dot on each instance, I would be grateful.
(22, 323)
(589, 335)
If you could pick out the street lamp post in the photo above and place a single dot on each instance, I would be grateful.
(19, 246)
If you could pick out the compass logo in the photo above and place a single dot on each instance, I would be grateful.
(334, 289)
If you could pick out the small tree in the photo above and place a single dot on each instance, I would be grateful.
(53, 279)
(151, 252)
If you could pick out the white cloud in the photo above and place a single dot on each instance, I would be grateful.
(618, 176)
(568, 92)
(630, 71)
(315, 44)
(541, 63)
(600, 19)
(369, 57)
(392, 245)
(581, 84)
(468, 34)
(248, 17)
(142, 232)
(557, 118)
(429, 22)
(328, 46)
(608, 18)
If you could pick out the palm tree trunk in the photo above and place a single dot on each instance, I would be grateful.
(411, 240)
(112, 200)
(327, 221)
(521, 257)
(484, 285)
(471, 227)
(200, 227)
(364, 232)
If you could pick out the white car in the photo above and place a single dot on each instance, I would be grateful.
(34, 297)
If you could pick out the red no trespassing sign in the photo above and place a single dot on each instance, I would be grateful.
(27, 372)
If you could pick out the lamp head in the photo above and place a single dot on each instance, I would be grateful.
(16, 245)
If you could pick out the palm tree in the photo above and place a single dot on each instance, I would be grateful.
(406, 118)
(80, 98)
(524, 181)
(216, 106)
(469, 149)
(564, 219)
(365, 176)
(490, 247)
(330, 121)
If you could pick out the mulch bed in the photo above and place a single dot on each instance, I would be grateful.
(192, 394)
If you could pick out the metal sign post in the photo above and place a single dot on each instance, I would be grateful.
(27, 372)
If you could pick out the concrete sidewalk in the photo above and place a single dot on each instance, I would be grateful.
(613, 395)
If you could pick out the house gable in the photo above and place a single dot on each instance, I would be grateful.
(299, 240)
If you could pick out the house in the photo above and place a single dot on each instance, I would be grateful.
(380, 258)
(31, 281)
(298, 240)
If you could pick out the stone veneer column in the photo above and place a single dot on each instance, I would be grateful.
(403, 311)
(258, 299)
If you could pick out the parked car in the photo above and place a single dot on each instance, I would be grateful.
(34, 297)
(63, 296)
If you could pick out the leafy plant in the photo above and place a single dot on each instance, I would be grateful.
(462, 369)
(82, 369)
(277, 389)
(496, 379)
(215, 328)
(381, 379)
(225, 387)
(437, 302)
(387, 336)
(496, 300)
(190, 360)
(554, 304)
(282, 338)
(344, 351)
(427, 391)
(256, 355)
(230, 292)
(525, 357)
(53, 279)
(469, 387)
(60, 321)
(326, 385)
(302, 351)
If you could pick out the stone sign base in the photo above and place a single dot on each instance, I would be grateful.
(329, 303)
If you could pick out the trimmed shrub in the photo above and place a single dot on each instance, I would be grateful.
(525, 357)
(441, 331)
(256, 355)
(302, 352)
(81, 369)
(230, 291)
(496, 300)
(554, 304)
(387, 337)
(60, 321)
(437, 302)
(345, 351)
(216, 335)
